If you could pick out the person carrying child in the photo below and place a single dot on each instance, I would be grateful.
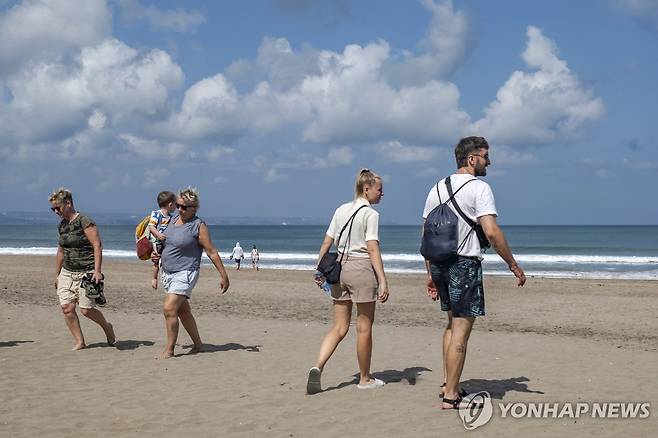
(157, 225)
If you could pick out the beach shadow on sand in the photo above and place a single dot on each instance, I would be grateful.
(212, 348)
(497, 388)
(395, 376)
(124, 344)
(410, 375)
(12, 343)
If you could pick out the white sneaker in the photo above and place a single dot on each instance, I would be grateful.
(373, 384)
(313, 384)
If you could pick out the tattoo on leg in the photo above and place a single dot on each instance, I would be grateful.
(460, 348)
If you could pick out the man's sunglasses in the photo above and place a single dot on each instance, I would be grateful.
(56, 209)
(184, 207)
(486, 156)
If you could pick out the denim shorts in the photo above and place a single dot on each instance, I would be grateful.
(459, 282)
(180, 283)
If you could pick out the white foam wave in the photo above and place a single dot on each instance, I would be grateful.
(544, 258)
(306, 261)
(393, 258)
(592, 275)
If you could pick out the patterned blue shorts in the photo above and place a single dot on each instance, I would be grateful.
(459, 282)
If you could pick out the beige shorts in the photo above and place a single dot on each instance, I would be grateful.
(70, 290)
(358, 282)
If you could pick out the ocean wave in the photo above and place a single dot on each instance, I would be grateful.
(538, 265)
(591, 275)
(489, 259)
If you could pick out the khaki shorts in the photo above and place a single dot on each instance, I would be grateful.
(358, 282)
(70, 290)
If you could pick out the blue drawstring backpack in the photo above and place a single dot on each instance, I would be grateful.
(440, 232)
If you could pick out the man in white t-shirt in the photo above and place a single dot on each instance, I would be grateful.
(458, 281)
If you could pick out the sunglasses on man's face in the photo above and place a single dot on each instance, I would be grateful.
(56, 209)
(183, 207)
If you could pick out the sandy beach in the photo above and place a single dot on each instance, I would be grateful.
(552, 341)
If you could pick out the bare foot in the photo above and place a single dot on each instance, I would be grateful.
(78, 346)
(111, 338)
(154, 283)
(165, 355)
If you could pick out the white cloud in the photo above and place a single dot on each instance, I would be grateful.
(273, 175)
(210, 108)
(152, 149)
(97, 120)
(502, 154)
(443, 49)
(277, 63)
(646, 11)
(300, 159)
(353, 104)
(340, 156)
(218, 152)
(397, 152)
(536, 108)
(178, 20)
(152, 178)
(346, 101)
(49, 29)
(95, 95)
(110, 78)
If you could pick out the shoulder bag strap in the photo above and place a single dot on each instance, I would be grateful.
(349, 222)
(459, 210)
(467, 219)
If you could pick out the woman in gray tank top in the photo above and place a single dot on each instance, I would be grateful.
(185, 239)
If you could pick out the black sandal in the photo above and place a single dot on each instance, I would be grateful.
(461, 392)
(455, 403)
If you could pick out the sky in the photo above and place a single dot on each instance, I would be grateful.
(270, 108)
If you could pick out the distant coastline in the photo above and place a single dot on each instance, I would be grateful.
(45, 217)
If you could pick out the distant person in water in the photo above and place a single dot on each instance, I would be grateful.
(237, 254)
(78, 262)
(186, 237)
(255, 257)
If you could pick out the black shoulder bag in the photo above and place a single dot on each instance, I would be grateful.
(479, 232)
(329, 265)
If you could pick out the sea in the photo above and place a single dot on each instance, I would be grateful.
(596, 252)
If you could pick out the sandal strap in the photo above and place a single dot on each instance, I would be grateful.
(454, 402)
